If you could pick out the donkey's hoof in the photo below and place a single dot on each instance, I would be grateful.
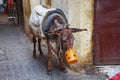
(49, 73)
(41, 53)
(34, 54)
(64, 70)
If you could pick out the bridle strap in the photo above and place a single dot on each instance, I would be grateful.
(60, 44)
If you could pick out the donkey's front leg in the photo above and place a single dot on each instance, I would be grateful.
(61, 64)
(34, 46)
(49, 68)
(39, 46)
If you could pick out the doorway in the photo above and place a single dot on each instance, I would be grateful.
(5, 9)
(106, 36)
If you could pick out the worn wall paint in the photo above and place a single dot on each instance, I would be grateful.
(26, 10)
(62, 4)
(33, 3)
(46, 3)
(86, 21)
(83, 43)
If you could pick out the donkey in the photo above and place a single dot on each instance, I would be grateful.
(54, 28)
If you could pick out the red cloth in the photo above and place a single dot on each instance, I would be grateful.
(116, 77)
(5, 12)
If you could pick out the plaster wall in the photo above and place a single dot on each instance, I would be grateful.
(33, 3)
(62, 4)
(26, 12)
(81, 16)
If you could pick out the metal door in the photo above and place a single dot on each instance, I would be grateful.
(106, 34)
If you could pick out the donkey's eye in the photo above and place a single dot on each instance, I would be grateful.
(64, 41)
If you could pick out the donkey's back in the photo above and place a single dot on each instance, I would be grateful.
(41, 17)
(36, 19)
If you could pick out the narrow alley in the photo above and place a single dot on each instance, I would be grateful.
(97, 53)
(17, 63)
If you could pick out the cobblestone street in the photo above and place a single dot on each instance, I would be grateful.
(17, 63)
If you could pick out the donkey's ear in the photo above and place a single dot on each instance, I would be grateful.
(77, 30)
(56, 31)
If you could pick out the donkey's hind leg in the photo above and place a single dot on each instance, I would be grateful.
(49, 68)
(39, 46)
(34, 46)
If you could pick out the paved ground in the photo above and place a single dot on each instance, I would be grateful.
(3, 18)
(17, 63)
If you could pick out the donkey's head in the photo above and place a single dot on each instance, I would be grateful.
(65, 35)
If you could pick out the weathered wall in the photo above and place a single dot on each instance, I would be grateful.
(26, 10)
(62, 4)
(27, 7)
(86, 21)
(81, 16)
(33, 3)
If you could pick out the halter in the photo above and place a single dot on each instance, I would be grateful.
(60, 44)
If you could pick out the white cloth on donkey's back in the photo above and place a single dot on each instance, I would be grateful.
(36, 19)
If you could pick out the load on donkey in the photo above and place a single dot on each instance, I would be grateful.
(52, 25)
